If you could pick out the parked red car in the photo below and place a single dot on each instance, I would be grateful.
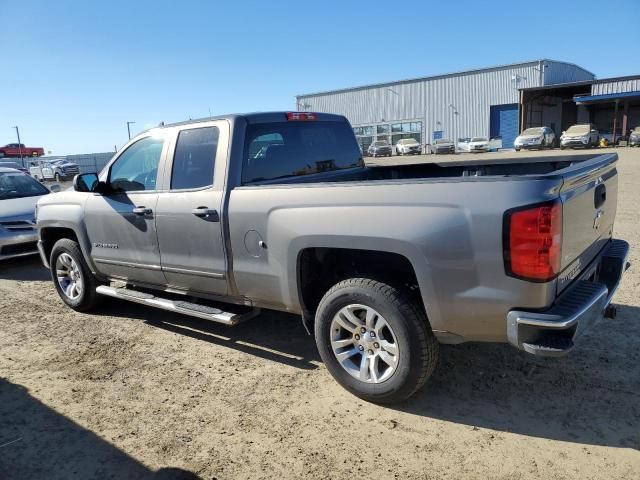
(16, 149)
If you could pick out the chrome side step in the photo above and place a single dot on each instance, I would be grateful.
(179, 306)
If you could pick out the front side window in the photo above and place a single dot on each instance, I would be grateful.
(289, 149)
(137, 168)
(195, 158)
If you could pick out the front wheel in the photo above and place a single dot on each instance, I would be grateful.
(375, 340)
(72, 277)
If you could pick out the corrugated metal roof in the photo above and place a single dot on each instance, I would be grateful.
(436, 77)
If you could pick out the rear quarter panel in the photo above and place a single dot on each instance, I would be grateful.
(450, 231)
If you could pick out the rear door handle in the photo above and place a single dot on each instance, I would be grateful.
(206, 212)
(142, 210)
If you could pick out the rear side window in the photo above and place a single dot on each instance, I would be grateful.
(290, 149)
(195, 158)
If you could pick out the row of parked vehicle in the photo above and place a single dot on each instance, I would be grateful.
(539, 138)
(57, 169)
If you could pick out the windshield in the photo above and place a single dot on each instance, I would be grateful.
(380, 144)
(18, 185)
(443, 140)
(478, 139)
(578, 129)
(532, 131)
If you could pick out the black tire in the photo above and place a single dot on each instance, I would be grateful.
(88, 299)
(57, 177)
(517, 149)
(409, 324)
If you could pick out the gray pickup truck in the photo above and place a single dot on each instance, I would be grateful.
(220, 217)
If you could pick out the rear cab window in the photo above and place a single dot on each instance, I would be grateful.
(282, 150)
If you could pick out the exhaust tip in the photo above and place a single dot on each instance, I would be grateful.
(611, 311)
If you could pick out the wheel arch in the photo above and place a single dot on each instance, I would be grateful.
(318, 268)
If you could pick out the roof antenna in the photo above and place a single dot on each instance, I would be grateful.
(161, 124)
(210, 112)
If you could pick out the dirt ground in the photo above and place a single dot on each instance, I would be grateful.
(133, 393)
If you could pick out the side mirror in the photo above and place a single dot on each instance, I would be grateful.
(86, 182)
(55, 188)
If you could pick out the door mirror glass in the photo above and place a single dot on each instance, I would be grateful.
(86, 182)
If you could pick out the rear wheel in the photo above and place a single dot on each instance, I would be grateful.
(375, 340)
(72, 277)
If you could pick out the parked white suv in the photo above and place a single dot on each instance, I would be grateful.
(584, 135)
(407, 146)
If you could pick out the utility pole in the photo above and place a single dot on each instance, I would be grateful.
(19, 145)
(129, 128)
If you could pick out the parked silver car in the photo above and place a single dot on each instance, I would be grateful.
(442, 145)
(19, 194)
(584, 135)
(535, 137)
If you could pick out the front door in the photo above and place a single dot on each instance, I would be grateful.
(121, 224)
(189, 211)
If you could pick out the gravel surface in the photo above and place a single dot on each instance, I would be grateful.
(130, 392)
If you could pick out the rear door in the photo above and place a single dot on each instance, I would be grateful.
(589, 200)
(189, 209)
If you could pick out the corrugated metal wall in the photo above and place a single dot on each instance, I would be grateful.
(459, 105)
(617, 86)
(558, 72)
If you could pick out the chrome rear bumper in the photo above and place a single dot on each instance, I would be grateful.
(552, 332)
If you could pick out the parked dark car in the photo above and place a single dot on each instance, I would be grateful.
(442, 145)
(15, 166)
(380, 148)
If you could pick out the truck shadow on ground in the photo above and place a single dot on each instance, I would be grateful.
(274, 336)
(38, 442)
(591, 396)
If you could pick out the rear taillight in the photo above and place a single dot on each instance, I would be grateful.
(301, 116)
(533, 241)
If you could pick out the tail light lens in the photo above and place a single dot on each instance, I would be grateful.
(533, 241)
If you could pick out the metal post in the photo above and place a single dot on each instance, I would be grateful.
(625, 118)
(19, 145)
(129, 129)
(615, 118)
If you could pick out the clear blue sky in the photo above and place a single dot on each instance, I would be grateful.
(73, 72)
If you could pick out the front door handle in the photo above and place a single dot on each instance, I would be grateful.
(142, 210)
(206, 212)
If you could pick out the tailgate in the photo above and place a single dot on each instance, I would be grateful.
(589, 197)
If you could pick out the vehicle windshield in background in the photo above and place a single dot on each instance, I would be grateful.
(532, 131)
(578, 129)
(381, 143)
(406, 141)
(18, 185)
(479, 139)
(289, 149)
(442, 140)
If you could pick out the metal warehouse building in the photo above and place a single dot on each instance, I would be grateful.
(483, 102)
